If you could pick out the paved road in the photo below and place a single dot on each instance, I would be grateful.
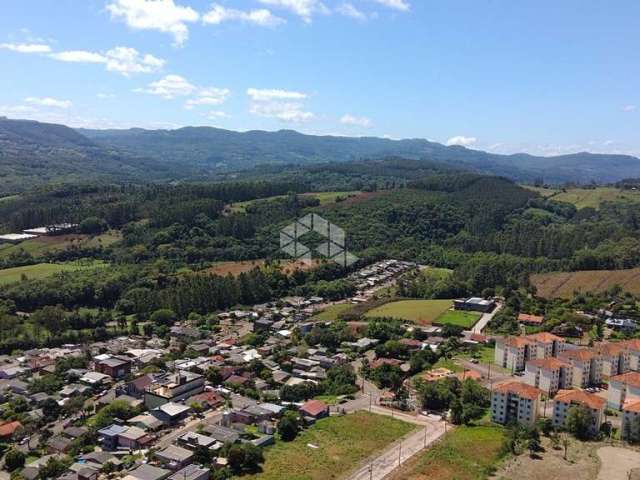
(485, 319)
(385, 463)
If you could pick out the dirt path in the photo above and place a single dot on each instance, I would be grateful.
(617, 462)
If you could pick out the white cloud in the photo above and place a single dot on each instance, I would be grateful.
(208, 96)
(284, 105)
(16, 109)
(353, 121)
(170, 86)
(26, 47)
(162, 15)
(629, 108)
(264, 95)
(462, 141)
(261, 16)
(123, 60)
(49, 102)
(349, 10)
(303, 8)
(401, 5)
(217, 114)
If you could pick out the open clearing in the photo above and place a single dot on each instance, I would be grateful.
(45, 244)
(466, 453)
(616, 463)
(563, 284)
(581, 464)
(324, 197)
(423, 312)
(588, 197)
(342, 444)
(43, 270)
(332, 312)
(236, 268)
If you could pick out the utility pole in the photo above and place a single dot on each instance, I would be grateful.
(371, 471)
(370, 401)
(400, 454)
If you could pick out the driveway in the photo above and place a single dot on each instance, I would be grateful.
(485, 319)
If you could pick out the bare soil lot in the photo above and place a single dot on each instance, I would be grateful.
(563, 284)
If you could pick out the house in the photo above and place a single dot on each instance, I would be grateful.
(193, 440)
(10, 430)
(549, 374)
(566, 399)
(137, 387)
(531, 320)
(191, 472)
(134, 438)
(515, 402)
(474, 304)
(622, 389)
(114, 366)
(171, 413)
(148, 472)
(315, 409)
(58, 444)
(174, 457)
(96, 379)
(146, 422)
(109, 436)
(221, 433)
(173, 388)
(208, 399)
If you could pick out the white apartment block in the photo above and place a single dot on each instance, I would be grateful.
(549, 374)
(630, 428)
(565, 399)
(513, 353)
(515, 402)
(615, 358)
(587, 366)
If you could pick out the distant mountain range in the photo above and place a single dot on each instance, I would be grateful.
(35, 153)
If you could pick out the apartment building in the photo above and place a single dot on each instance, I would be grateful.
(514, 352)
(549, 374)
(515, 402)
(546, 344)
(615, 358)
(622, 389)
(633, 354)
(566, 399)
(173, 388)
(630, 428)
(587, 366)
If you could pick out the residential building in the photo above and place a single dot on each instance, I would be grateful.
(114, 366)
(515, 402)
(315, 409)
(512, 353)
(191, 472)
(173, 388)
(615, 358)
(587, 366)
(566, 399)
(549, 374)
(531, 320)
(623, 388)
(630, 427)
(174, 457)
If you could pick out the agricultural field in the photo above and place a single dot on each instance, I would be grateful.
(236, 268)
(324, 197)
(588, 197)
(465, 453)
(44, 270)
(423, 312)
(42, 245)
(564, 284)
(465, 320)
(332, 448)
(332, 312)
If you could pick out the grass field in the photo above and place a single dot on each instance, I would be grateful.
(465, 320)
(588, 197)
(342, 443)
(324, 197)
(331, 313)
(423, 312)
(43, 270)
(41, 245)
(563, 284)
(466, 453)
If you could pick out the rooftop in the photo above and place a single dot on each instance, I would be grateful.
(581, 397)
(520, 389)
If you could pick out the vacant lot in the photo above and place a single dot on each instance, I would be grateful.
(465, 320)
(589, 197)
(466, 453)
(331, 448)
(581, 464)
(236, 268)
(423, 312)
(563, 284)
(42, 270)
(332, 312)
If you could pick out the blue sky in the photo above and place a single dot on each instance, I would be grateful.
(545, 77)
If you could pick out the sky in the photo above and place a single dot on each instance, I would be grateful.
(539, 76)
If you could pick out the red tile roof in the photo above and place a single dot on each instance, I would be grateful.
(9, 428)
(520, 389)
(526, 318)
(631, 406)
(314, 407)
(629, 378)
(550, 363)
(580, 396)
(545, 337)
(582, 354)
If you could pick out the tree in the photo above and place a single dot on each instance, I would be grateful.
(244, 458)
(93, 225)
(50, 409)
(579, 421)
(288, 426)
(14, 459)
(566, 441)
(164, 316)
(202, 455)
